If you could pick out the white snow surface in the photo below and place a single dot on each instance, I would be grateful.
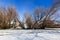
(29, 34)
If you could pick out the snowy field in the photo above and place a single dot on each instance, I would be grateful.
(29, 34)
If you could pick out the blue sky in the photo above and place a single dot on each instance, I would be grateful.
(26, 5)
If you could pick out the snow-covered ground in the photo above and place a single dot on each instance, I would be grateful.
(29, 34)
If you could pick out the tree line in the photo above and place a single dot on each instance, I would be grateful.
(39, 19)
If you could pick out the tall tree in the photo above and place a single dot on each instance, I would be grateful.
(43, 14)
(12, 14)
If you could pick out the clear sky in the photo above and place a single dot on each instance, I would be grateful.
(26, 5)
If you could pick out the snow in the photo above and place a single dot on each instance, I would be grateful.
(29, 34)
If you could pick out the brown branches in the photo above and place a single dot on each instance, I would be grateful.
(6, 16)
(28, 21)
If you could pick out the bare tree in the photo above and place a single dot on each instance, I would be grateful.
(6, 16)
(28, 20)
(4, 23)
(43, 14)
(39, 16)
(11, 15)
